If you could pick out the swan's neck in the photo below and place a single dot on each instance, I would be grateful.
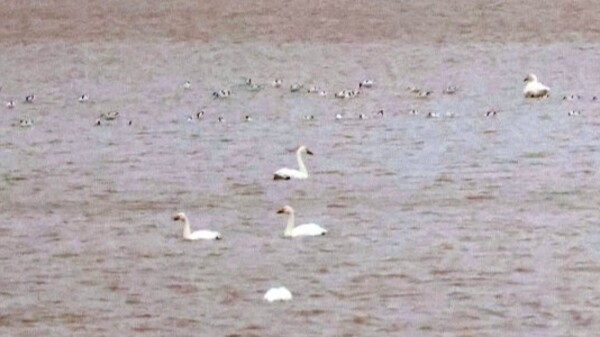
(301, 163)
(187, 230)
(290, 226)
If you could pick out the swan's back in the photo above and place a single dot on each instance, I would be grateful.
(287, 173)
(204, 235)
(278, 294)
(310, 229)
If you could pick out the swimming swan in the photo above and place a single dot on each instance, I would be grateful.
(287, 174)
(197, 235)
(534, 89)
(310, 229)
(278, 294)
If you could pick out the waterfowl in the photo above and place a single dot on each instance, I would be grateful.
(287, 173)
(450, 90)
(571, 97)
(413, 111)
(200, 114)
(277, 83)
(83, 98)
(10, 104)
(413, 89)
(534, 89)
(187, 85)
(433, 115)
(278, 294)
(491, 113)
(312, 90)
(574, 113)
(322, 93)
(309, 229)
(247, 118)
(29, 98)
(339, 116)
(362, 116)
(221, 94)
(24, 123)
(423, 94)
(109, 116)
(380, 114)
(190, 118)
(309, 117)
(221, 119)
(450, 114)
(197, 235)
(365, 83)
(295, 87)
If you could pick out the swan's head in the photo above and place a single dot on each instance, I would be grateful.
(179, 216)
(530, 78)
(304, 149)
(286, 210)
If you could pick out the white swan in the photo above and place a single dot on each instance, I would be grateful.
(287, 173)
(197, 235)
(187, 85)
(277, 83)
(310, 229)
(278, 294)
(535, 89)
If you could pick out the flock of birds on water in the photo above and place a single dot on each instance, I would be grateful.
(533, 89)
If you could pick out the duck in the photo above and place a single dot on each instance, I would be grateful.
(534, 89)
(295, 87)
(309, 229)
(196, 235)
(277, 83)
(25, 123)
(187, 85)
(287, 173)
(450, 90)
(365, 83)
(571, 97)
(491, 113)
(83, 98)
(29, 98)
(110, 116)
(278, 294)
(222, 94)
(10, 104)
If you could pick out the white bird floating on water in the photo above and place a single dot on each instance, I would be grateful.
(278, 294)
(309, 229)
(187, 85)
(248, 118)
(365, 84)
(29, 98)
(309, 117)
(110, 116)
(346, 94)
(10, 104)
(339, 116)
(296, 87)
(222, 94)
(277, 83)
(200, 114)
(450, 90)
(197, 235)
(433, 115)
(535, 89)
(83, 98)
(574, 113)
(25, 123)
(362, 116)
(287, 173)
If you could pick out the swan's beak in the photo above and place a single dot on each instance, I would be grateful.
(281, 211)
(309, 152)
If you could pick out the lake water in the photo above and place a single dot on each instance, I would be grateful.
(449, 226)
